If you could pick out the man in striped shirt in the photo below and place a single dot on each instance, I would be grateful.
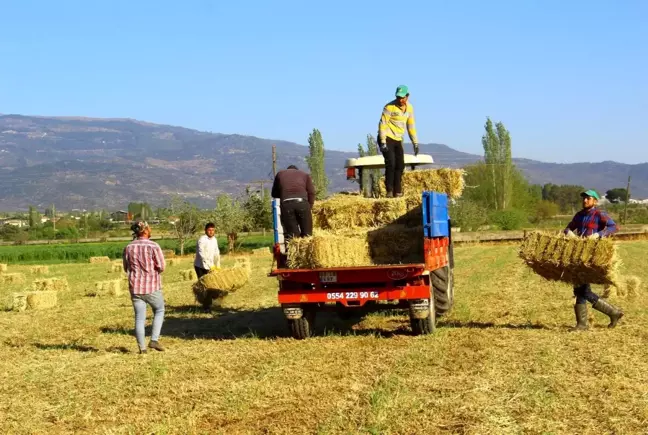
(144, 262)
(397, 116)
(592, 222)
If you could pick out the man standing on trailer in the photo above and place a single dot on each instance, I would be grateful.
(592, 222)
(397, 115)
(296, 191)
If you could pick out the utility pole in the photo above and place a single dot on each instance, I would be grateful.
(274, 160)
(627, 200)
(85, 223)
(54, 217)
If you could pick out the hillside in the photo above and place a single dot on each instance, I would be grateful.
(79, 162)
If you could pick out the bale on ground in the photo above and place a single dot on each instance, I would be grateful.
(188, 275)
(12, 278)
(106, 288)
(571, 260)
(34, 300)
(95, 260)
(341, 212)
(168, 253)
(50, 284)
(444, 180)
(116, 267)
(39, 270)
(228, 279)
(3, 267)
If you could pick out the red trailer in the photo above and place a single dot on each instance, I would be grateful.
(425, 288)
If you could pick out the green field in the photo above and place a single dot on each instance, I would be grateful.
(81, 252)
(502, 362)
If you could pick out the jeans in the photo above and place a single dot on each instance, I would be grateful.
(296, 219)
(200, 272)
(585, 294)
(156, 301)
(394, 165)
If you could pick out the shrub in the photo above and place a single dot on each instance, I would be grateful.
(508, 220)
(467, 215)
(545, 210)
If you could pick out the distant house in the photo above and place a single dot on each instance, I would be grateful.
(15, 222)
(638, 201)
(119, 216)
(44, 219)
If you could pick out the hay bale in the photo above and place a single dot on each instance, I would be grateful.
(173, 262)
(206, 297)
(168, 253)
(445, 180)
(243, 262)
(97, 260)
(39, 270)
(188, 275)
(19, 302)
(327, 250)
(111, 287)
(116, 267)
(3, 267)
(50, 284)
(571, 260)
(341, 212)
(396, 244)
(12, 278)
(228, 279)
(632, 285)
(42, 300)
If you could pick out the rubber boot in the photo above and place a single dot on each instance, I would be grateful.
(609, 310)
(389, 194)
(581, 317)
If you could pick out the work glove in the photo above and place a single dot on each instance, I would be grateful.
(383, 147)
(214, 268)
(594, 236)
(416, 149)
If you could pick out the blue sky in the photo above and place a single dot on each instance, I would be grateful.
(569, 79)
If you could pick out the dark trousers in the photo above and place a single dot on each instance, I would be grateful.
(200, 271)
(394, 165)
(296, 219)
(585, 294)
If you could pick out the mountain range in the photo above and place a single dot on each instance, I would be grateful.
(76, 162)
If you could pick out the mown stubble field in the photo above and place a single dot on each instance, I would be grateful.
(502, 362)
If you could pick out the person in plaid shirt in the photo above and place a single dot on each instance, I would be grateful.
(592, 222)
(144, 262)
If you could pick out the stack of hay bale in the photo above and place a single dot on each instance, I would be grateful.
(43, 294)
(219, 283)
(572, 260)
(350, 230)
(112, 287)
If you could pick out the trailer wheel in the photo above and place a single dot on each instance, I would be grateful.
(443, 289)
(303, 327)
(427, 325)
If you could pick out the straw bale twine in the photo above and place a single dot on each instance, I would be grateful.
(116, 267)
(35, 300)
(444, 180)
(571, 260)
(111, 287)
(188, 275)
(50, 284)
(95, 260)
(39, 270)
(3, 267)
(12, 278)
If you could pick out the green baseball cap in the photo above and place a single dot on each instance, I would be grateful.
(402, 91)
(591, 193)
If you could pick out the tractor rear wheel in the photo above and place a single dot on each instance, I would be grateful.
(442, 288)
(303, 327)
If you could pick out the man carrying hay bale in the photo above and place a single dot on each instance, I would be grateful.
(396, 116)
(207, 252)
(296, 191)
(592, 222)
(144, 262)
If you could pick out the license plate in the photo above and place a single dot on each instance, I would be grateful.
(328, 276)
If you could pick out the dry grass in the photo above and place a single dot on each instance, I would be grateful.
(445, 180)
(502, 362)
(572, 260)
(168, 253)
(96, 260)
(112, 287)
(262, 251)
(51, 284)
(3, 267)
(116, 267)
